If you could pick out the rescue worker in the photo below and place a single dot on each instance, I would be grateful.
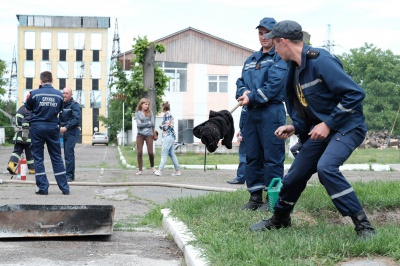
(241, 171)
(21, 141)
(45, 104)
(69, 122)
(325, 105)
(260, 88)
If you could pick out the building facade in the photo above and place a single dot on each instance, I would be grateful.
(203, 70)
(74, 49)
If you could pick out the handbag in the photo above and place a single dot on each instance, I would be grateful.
(155, 134)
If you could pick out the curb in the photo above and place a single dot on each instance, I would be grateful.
(182, 237)
(345, 167)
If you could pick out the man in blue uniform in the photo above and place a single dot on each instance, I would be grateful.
(240, 173)
(21, 141)
(325, 106)
(45, 104)
(69, 122)
(261, 90)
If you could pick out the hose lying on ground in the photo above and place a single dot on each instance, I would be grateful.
(123, 184)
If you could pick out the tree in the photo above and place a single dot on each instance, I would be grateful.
(7, 108)
(132, 90)
(3, 81)
(376, 71)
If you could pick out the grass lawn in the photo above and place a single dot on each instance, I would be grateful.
(319, 234)
(368, 156)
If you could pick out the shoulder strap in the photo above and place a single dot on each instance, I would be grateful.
(312, 54)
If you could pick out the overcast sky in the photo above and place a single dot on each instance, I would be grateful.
(352, 22)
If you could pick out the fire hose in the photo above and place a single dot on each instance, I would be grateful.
(120, 184)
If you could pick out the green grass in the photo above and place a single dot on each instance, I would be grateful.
(367, 156)
(319, 235)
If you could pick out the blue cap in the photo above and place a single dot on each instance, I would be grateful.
(287, 29)
(267, 23)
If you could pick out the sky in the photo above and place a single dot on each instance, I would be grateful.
(345, 23)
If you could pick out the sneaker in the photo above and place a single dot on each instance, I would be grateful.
(157, 172)
(176, 173)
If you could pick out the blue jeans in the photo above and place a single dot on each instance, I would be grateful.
(168, 150)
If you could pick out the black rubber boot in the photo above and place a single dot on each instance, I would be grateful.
(255, 201)
(277, 221)
(265, 206)
(363, 227)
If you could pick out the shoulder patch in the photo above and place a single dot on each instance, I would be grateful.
(312, 54)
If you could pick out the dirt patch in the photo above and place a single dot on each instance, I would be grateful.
(377, 217)
(374, 261)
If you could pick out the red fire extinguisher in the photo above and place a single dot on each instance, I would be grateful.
(22, 167)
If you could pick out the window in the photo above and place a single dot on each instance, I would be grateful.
(29, 69)
(95, 99)
(185, 129)
(62, 84)
(29, 41)
(45, 66)
(45, 40)
(79, 70)
(95, 70)
(78, 84)
(63, 41)
(95, 41)
(96, 56)
(45, 54)
(177, 72)
(29, 83)
(29, 54)
(63, 55)
(79, 55)
(79, 41)
(217, 83)
(95, 84)
(62, 70)
(79, 96)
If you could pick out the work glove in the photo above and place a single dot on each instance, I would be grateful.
(25, 134)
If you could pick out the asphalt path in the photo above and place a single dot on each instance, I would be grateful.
(101, 165)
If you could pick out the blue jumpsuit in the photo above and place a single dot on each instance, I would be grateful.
(69, 118)
(241, 171)
(322, 87)
(45, 103)
(263, 76)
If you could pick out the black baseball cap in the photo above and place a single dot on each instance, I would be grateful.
(287, 29)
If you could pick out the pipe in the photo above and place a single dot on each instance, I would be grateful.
(109, 184)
